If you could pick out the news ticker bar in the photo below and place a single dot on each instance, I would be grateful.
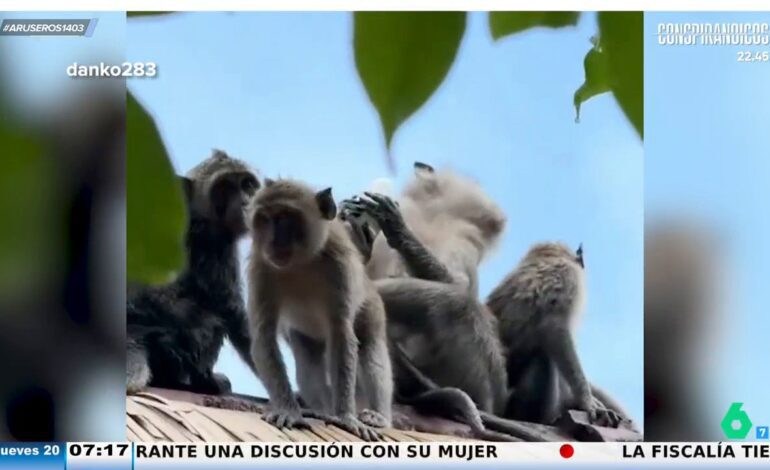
(124, 455)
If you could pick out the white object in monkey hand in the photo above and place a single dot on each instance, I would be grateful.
(382, 186)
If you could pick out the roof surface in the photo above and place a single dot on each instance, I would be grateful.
(177, 416)
(151, 417)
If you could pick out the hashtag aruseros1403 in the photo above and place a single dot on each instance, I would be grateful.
(103, 70)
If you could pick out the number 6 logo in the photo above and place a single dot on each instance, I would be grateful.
(736, 415)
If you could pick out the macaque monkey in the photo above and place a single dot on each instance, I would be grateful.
(175, 331)
(307, 280)
(537, 306)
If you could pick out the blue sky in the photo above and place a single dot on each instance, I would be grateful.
(281, 91)
(706, 151)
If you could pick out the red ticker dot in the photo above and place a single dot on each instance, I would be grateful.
(567, 451)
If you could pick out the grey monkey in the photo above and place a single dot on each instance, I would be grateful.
(538, 305)
(425, 263)
(307, 281)
(175, 331)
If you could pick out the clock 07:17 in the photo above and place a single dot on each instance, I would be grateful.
(88, 450)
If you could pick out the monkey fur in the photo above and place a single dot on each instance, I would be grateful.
(175, 331)
(538, 305)
(425, 265)
(425, 262)
(308, 282)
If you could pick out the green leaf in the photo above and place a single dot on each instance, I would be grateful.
(136, 14)
(29, 235)
(156, 214)
(402, 58)
(597, 77)
(504, 23)
(621, 38)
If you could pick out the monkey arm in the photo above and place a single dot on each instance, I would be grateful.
(269, 362)
(561, 348)
(343, 363)
(240, 338)
(420, 262)
(361, 234)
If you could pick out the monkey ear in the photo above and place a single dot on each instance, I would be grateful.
(422, 169)
(219, 154)
(493, 226)
(326, 204)
(579, 256)
(425, 175)
(187, 187)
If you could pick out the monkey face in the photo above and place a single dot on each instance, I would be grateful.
(447, 193)
(280, 233)
(218, 188)
(290, 223)
(229, 194)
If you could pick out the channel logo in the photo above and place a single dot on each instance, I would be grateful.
(736, 424)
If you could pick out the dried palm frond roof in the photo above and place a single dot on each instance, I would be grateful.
(160, 415)
(165, 415)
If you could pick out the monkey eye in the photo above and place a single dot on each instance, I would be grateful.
(249, 184)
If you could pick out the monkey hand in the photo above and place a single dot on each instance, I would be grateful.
(361, 233)
(605, 416)
(353, 425)
(385, 213)
(598, 414)
(286, 417)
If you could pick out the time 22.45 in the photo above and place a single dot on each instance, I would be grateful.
(749, 56)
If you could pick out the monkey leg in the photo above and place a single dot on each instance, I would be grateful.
(416, 389)
(535, 396)
(137, 367)
(157, 356)
(208, 382)
(420, 392)
(576, 390)
(311, 371)
(460, 347)
(374, 371)
(223, 382)
(541, 395)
